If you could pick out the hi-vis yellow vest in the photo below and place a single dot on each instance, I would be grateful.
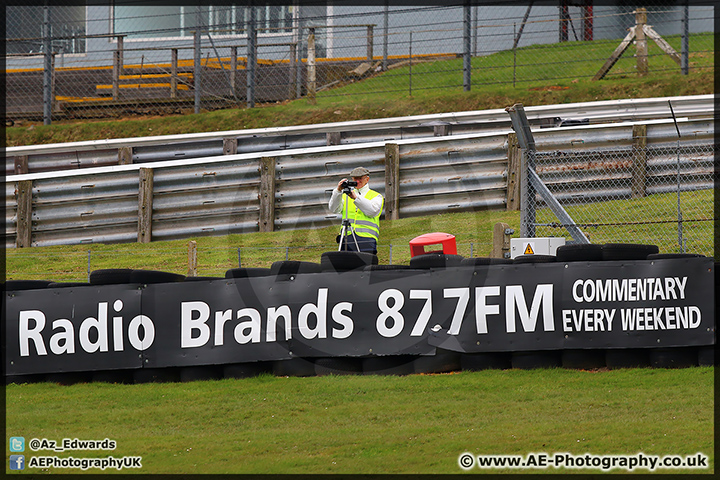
(363, 225)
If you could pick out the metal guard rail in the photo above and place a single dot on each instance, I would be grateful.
(62, 156)
(289, 189)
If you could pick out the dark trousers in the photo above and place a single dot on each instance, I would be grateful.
(366, 244)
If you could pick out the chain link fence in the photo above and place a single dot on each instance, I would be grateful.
(659, 195)
(80, 61)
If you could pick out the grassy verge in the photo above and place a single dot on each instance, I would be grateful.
(473, 232)
(376, 424)
(437, 87)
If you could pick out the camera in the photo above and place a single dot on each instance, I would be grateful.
(347, 184)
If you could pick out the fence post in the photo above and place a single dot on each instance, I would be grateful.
(192, 259)
(501, 240)
(145, 205)
(197, 60)
(385, 35)
(173, 73)
(125, 156)
(467, 41)
(514, 174)
(251, 57)
(233, 69)
(21, 164)
(116, 76)
(266, 222)
(639, 165)
(293, 70)
(685, 43)
(311, 67)
(47, 70)
(333, 138)
(370, 41)
(230, 146)
(392, 181)
(641, 41)
(24, 214)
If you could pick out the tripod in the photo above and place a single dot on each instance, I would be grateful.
(347, 226)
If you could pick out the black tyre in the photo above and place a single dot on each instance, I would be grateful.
(110, 276)
(627, 251)
(485, 361)
(345, 261)
(204, 372)
(472, 261)
(664, 256)
(536, 359)
(246, 370)
(436, 260)
(579, 252)
(534, 259)
(67, 284)
(389, 365)
(375, 268)
(294, 267)
(338, 366)
(627, 358)
(294, 367)
(706, 356)
(583, 359)
(148, 277)
(247, 272)
(156, 375)
(14, 285)
(443, 361)
(678, 357)
(113, 376)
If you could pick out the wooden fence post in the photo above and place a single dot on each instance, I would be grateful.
(125, 156)
(639, 165)
(229, 146)
(514, 175)
(21, 164)
(192, 259)
(501, 240)
(311, 86)
(392, 181)
(24, 214)
(641, 41)
(266, 221)
(145, 205)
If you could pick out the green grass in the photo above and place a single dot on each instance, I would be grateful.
(437, 88)
(376, 424)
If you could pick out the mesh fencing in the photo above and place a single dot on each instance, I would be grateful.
(651, 195)
(100, 60)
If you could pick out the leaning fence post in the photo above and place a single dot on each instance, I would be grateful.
(514, 173)
(24, 214)
(392, 181)
(639, 160)
(266, 221)
(145, 205)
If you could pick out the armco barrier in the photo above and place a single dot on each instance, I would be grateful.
(289, 189)
(581, 314)
(97, 153)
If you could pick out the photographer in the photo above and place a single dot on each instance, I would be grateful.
(363, 210)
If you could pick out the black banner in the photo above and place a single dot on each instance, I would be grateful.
(517, 307)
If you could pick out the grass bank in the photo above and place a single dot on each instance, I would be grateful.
(376, 424)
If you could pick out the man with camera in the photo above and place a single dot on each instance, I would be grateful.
(360, 208)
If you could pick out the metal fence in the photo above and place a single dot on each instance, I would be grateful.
(652, 184)
(69, 61)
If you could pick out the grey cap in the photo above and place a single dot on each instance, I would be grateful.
(359, 172)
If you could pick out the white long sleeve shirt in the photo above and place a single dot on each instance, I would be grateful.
(371, 208)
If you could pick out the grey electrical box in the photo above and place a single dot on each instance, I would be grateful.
(535, 246)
